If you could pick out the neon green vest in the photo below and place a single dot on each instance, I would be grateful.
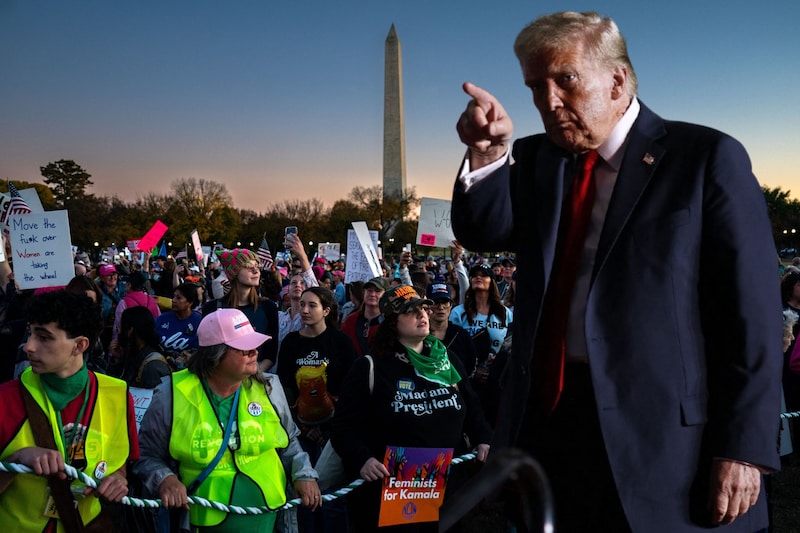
(197, 436)
(106, 441)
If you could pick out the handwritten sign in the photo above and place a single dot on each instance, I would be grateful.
(414, 490)
(141, 401)
(133, 245)
(358, 267)
(329, 250)
(198, 249)
(434, 223)
(41, 249)
(367, 247)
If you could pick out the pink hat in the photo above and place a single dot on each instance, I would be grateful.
(105, 270)
(231, 327)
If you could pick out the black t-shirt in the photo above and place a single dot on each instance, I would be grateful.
(331, 347)
(403, 409)
(459, 343)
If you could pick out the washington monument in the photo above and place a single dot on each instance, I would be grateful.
(394, 142)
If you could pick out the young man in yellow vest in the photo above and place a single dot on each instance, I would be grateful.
(58, 412)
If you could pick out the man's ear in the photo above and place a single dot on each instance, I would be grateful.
(620, 80)
(81, 344)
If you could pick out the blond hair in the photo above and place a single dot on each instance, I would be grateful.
(559, 31)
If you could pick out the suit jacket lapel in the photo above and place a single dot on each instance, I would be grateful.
(642, 156)
(550, 162)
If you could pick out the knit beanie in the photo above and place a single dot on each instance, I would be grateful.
(232, 261)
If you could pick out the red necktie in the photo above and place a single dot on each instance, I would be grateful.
(550, 340)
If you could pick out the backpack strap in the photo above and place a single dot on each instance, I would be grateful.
(59, 488)
(371, 373)
(154, 356)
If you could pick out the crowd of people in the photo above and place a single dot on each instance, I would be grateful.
(255, 357)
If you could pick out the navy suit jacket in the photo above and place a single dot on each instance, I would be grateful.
(683, 314)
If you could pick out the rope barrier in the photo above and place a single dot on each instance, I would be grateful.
(196, 500)
(235, 509)
(72, 472)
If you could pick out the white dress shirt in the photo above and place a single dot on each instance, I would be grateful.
(605, 176)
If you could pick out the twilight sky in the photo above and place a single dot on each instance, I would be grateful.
(284, 100)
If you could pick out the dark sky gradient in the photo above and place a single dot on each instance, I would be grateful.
(283, 100)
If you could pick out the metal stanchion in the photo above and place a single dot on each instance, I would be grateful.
(518, 472)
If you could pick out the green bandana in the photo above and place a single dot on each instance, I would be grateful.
(61, 391)
(436, 365)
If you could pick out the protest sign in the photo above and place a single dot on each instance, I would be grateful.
(358, 266)
(30, 196)
(41, 249)
(414, 490)
(133, 245)
(198, 249)
(434, 223)
(153, 235)
(329, 250)
(368, 248)
(141, 401)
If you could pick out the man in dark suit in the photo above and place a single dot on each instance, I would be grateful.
(669, 345)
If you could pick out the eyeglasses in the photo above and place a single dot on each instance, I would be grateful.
(252, 268)
(441, 303)
(244, 353)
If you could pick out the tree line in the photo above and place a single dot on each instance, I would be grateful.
(207, 206)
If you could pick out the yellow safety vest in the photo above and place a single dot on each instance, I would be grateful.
(106, 448)
(197, 436)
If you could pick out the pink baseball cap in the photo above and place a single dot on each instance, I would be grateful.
(231, 327)
(105, 270)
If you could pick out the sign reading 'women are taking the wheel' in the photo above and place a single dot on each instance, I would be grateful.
(41, 249)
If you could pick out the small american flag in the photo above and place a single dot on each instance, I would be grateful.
(182, 254)
(15, 206)
(264, 255)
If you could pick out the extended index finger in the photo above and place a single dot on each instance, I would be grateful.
(479, 94)
(487, 113)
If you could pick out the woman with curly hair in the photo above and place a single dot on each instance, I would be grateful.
(387, 400)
